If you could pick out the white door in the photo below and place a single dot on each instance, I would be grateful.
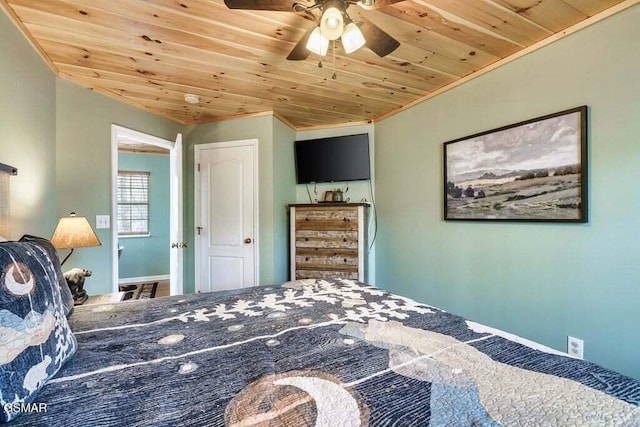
(175, 228)
(226, 215)
(175, 191)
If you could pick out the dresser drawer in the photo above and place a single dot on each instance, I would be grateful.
(314, 214)
(326, 219)
(326, 274)
(326, 239)
(326, 259)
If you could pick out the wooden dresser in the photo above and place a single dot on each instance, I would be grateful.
(328, 240)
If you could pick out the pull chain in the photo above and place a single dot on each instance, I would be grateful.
(334, 76)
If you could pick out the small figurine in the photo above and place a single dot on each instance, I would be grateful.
(75, 280)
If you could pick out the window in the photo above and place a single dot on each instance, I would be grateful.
(133, 203)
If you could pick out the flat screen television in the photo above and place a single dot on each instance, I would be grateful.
(338, 158)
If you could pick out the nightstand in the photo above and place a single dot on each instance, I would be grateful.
(105, 298)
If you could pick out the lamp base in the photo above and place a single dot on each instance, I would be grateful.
(80, 299)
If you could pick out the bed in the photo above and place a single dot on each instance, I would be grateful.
(316, 352)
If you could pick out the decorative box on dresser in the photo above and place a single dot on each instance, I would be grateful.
(328, 240)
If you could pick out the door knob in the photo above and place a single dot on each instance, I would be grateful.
(248, 240)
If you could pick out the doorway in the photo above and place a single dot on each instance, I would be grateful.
(134, 141)
(226, 215)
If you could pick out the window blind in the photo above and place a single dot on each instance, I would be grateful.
(133, 202)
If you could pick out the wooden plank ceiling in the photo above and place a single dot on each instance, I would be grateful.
(150, 53)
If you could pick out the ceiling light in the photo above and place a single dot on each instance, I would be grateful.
(317, 43)
(332, 22)
(352, 38)
(191, 98)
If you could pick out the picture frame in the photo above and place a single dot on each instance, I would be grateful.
(328, 196)
(533, 171)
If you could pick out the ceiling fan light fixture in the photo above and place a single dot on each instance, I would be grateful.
(317, 43)
(352, 38)
(332, 22)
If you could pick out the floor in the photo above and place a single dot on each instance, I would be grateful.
(163, 289)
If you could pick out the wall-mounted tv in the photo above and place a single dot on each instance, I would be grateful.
(339, 158)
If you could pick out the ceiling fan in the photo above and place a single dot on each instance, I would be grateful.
(335, 24)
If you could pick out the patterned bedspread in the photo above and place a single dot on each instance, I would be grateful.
(319, 353)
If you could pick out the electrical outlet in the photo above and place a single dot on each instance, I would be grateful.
(103, 221)
(575, 347)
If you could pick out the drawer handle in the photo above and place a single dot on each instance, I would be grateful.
(306, 258)
(335, 254)
(306, 239)
(344, 240)
(345, 260)
(306, 219)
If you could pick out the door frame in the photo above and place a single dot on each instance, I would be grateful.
(118, 132)
(198, 148)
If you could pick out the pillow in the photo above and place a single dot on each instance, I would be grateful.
(65, 291)
(35, 338)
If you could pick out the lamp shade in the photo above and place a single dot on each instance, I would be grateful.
(352, 38)
(317, 43)
(332, 23)
(74, 232)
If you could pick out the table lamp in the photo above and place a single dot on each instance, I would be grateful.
(74, 232)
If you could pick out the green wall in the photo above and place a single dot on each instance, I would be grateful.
(284, 179)
(28, 129)
(540, 281)
(83, 165)
(149, 255)
(275, 189)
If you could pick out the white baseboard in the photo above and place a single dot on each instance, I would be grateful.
(129, 280)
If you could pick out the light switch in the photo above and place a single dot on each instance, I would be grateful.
(103, 221)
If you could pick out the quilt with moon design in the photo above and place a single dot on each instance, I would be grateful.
(317, 353)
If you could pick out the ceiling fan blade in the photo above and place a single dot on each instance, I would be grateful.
(376, 39)
(300, 51)
(277, 5)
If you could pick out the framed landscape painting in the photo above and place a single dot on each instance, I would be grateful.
(534, 170)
